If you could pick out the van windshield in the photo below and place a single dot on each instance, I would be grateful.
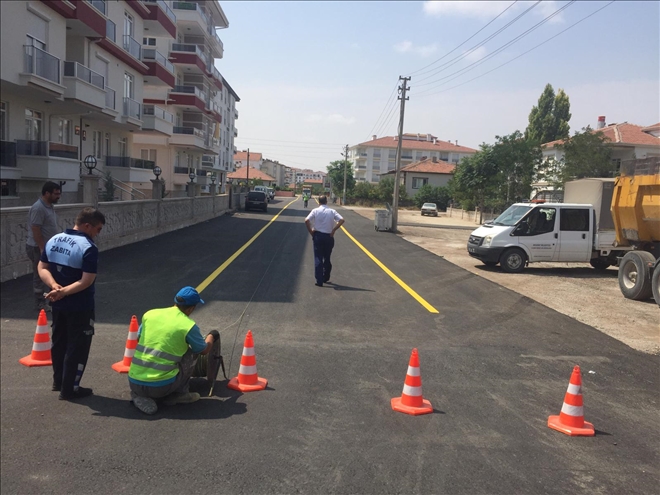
(511, 215)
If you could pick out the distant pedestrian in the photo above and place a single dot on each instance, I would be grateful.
(305, 199)
(322, 223)
(42, 225)
(68, 266)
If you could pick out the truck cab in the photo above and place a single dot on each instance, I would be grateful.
(529, 233)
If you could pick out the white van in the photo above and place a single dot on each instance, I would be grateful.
(564, 232)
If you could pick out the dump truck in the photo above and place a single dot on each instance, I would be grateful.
(636, 216)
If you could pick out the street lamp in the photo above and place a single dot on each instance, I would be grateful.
(90, 163)
(192, 177)
(157, 171)
(213, 178)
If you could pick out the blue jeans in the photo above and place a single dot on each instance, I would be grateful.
(323, 244)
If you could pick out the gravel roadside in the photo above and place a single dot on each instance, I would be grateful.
(574, 289)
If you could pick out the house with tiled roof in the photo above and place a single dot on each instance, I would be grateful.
(431, 171)
(242, 174)
(241, 159)
(377, 156)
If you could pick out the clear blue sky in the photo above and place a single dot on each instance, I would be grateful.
(313, 76)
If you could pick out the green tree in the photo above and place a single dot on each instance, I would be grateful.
(518, 161)
(336, 173)
(586, 154)
(364, 192)
(475, 178)
(109, 193)
(548, 121)
(429, 194)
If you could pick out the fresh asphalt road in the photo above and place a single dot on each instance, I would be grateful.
(494, 365)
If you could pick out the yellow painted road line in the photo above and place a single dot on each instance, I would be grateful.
(222, 267)
(405, 286)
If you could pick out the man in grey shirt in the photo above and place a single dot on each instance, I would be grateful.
(42, 225)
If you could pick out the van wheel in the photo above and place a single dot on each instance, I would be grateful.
(635, 275)
(513, 260)
(600, 264)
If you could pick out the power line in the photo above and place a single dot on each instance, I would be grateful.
(282, 141)
(449, 53)
(524, 53)
(383, 111)
(388, 118)
(456, 60)
(473, 65)
(256, 144)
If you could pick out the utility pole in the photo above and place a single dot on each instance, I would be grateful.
(395, 201)
(247, 172)
(345, 153)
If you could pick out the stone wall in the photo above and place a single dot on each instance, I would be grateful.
(126, 222)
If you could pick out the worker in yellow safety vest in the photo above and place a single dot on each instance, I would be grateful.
(169, 342)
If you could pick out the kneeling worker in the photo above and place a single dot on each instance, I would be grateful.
(167, 349)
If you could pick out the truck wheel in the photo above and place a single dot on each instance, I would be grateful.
(599, 264)
(655, 283)
(513, 260)
(635, 275)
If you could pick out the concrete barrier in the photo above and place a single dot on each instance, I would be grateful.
(126, 222)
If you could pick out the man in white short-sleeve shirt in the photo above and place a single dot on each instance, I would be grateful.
(322, 223)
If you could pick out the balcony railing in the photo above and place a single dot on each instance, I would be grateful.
(149, 54)
(165, 8)
(42, 64)
(79, 71)
(132, 108)
(208, 160)
(110, 98)
(127, 161)
(44, 148)
(181, 170)
(192, 6)
(217, 38)
(111, 30)
(189, 48)
(191, 90)
(216, 74)
(7, 154)
(189, 130)
(201, 172)
(157, 112)
(132, 46)
(98, 5)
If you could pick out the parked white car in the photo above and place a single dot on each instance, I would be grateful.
(429, 209)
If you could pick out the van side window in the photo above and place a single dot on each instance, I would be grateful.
(574, 220)
(539, 221)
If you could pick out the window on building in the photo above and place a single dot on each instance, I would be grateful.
(148, 154)
(177, 159)
(149, 41)
(418, 182)
(4, 121)
(129, 24)
(122, 147)
(97, 140)
(444, 157)
(33, 125)
(64, 131)
(108, 149)
(9, 187)
(129, 85)
(392, 153)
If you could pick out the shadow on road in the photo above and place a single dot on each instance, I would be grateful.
(566, 272)
(346, 287)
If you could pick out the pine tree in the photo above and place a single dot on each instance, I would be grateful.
(109, 194)
(548, 120)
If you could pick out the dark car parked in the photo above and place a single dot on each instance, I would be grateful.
(256, 200)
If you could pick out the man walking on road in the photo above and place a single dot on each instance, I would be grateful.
(42, 225)
(322, 223)
(169, 343)
(68, 266)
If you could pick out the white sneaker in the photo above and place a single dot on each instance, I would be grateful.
(144, 404)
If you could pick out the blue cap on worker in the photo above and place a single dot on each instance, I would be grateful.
(188, 296)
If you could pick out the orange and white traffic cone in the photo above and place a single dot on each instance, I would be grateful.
(40, 355)
(247, 379)
(131, 342)
(571, 418)
(411, 400)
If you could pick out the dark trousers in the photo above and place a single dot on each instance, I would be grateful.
(181, 385)
(323, 244)
(38, 287)
(72, 339)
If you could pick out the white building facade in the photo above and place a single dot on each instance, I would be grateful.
(100, 78)
(373, 158)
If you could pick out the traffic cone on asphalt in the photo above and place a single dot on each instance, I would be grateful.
(571, 418)
(247, 379)
(411, 400)
(131, 342)
(40, 355)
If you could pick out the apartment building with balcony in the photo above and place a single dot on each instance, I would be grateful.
(255, 159)
(83, 77)
(308, 174)
(373, 158)
(276, 170)
(189, 108)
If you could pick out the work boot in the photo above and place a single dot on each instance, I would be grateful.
(76, 394)
(181, 398)
(144, 404)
